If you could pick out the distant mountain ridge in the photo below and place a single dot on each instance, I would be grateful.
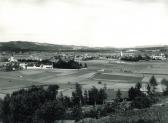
(32, 46)
(35, 46)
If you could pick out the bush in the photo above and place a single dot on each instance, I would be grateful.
(141, 102)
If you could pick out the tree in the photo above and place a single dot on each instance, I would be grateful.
(165, 91)
(118, 95)
(67, 102)
(77, 113)
(52, 91)
(79, 92)
(5, 109)
(61, 97)
(85, 97)
(148, 89)
(50, 112)
(101, 96)
(153, 83)
(70, 64)
(77, 95)
(141, 102)
(20, 106)
(138, 85)
(93, 95)
(1, 104)
(133, 93)
(75, 99)
(165, 82)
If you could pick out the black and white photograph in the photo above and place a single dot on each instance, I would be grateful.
(83, 61)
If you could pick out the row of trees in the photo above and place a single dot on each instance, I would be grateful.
(71, 64)
(93, 96)
(43, 105)
(32, 105)
(135, 58)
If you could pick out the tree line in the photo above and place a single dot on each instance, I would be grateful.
(39, 104)
(135, 58)
(32, 105)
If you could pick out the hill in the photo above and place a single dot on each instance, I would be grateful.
(17, 46)
(31, 46)
(34, 46)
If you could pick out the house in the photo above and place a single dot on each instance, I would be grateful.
(33, 67)
(146, 81)
(46, 66)
(12, 59)
(23, 65)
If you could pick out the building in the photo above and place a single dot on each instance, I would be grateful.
(12, 59)
(23, 65)
(46, 66)
(146, 81)
(33, 67)
(159, 57)
(42, 66)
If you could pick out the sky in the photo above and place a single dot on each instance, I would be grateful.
(112, 23)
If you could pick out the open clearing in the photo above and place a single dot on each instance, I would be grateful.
(115, 75)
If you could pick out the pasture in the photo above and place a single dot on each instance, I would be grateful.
(113, 74)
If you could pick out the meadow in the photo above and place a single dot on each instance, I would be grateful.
(113, 74)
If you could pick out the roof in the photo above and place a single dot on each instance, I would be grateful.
(146, 79)
(159, 88)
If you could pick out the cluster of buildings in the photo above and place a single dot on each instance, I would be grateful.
(152, 55)
(42, 66)
(35, 61)
(12, 64)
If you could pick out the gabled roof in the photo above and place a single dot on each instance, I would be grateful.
(146, 79)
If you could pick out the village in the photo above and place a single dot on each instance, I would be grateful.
(107, 81)
(29, 61)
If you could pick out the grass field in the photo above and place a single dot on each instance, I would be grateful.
(123, 78)
(114, 75)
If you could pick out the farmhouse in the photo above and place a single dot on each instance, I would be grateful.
(23, 65)
(146, 81)
(42, 66)
(12, 59)
(46, 66)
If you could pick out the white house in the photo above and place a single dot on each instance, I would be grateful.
(33, 67)
(12, 59)
(23, 65)
(46, 66)
(145, 82)
(40, 67)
